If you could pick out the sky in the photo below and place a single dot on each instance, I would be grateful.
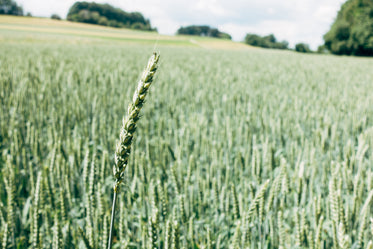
(292, 20)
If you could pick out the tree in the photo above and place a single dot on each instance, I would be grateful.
(268, 41)
(107, 15)
(322, 49)
(55, 16)
(303, 48)
(282, 45)
(255, 40)
(203, 30)
(103, 21)
(10, 7)
(352, 31)
(270, 38)
(226, 36)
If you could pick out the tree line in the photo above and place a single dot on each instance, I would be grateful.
(10, 7)
(203, 30)
(107, 15)
(268, 41)
(350, 34)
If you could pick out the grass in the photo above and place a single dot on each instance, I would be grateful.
(242, 148)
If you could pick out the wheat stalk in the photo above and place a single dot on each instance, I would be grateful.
(129, 126)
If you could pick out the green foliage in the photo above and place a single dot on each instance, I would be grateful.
(322, 49)
(352, 30)
(303, 48)
(268, 41)
(107, 15)
(10, 7)
(55, 16)
(257, 156)
(203, 30)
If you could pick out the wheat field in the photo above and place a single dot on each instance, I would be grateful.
(235, 149)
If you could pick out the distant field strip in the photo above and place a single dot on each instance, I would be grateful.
(37, 26)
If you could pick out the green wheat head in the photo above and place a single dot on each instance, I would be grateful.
(129, 126)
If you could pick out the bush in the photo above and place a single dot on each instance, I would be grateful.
(303, 48)
(322, 49)
(103, 21)
(56, 17)
(138, 25)
(203, 30)
(268, 41)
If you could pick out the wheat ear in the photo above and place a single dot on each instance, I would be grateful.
(129, 126)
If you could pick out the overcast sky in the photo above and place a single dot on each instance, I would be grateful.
(291, 20)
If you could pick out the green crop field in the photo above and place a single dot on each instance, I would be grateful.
(236, 147)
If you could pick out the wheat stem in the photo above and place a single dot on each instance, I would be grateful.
(112, 220)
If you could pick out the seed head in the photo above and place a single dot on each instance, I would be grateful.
(123, 148)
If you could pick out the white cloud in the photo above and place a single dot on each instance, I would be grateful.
(212, 7)
(46, 8)
(291, 20)
(165, 25)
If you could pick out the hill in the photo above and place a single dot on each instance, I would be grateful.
(17, 29)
